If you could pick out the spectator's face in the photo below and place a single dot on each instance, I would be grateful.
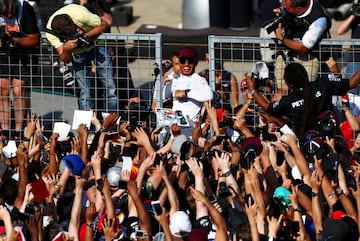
(187, 65)
(176, 65)
(207, 59)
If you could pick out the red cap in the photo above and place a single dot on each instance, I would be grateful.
(338, 215)
(189, 52)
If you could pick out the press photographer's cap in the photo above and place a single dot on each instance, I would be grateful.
(74, 163)
(189, 52)
(178, 142)
(261, 70)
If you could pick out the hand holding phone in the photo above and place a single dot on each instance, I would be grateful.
(140, 234)
(156, 206)
(181, 120)
(212, 199)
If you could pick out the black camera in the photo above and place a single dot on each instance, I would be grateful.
(4, 37)
(64, 147)
(83, 40)
(248, 156)
(32, 208)
(224, 190)
(356, 8)
(224, 141)
(186, 150)
(133, 123)
(282, 17)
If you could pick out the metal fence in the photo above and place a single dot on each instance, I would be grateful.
(136, 58)
(239, 54)
(138, 64)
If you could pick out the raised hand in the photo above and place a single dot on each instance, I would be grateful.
(110, 230)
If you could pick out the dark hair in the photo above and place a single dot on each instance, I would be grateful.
(51, 230)
(296, 76)
(174, 54)
(353, 233)
(9, 191)
(8, 5)
(63, 26)
(299, 3)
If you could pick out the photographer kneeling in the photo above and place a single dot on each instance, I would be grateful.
(307, 21)
(71, 30)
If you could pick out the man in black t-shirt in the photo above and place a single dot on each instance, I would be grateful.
(305, 99)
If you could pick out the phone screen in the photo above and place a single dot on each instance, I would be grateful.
(156, 206)
(127, 163)
(140, 234)
(295, 227)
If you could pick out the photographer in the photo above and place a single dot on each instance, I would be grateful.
(20, 39)
(307, 21)
(72, 30)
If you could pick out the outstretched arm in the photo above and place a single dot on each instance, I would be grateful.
(220, 223)
(345, 25)
(142, 213)
(74, 225)
(173, 199)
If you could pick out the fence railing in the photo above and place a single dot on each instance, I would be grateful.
(239, 54)
(135, 58)
(138, 58)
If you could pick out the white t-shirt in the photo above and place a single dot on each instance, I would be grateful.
(199, 92)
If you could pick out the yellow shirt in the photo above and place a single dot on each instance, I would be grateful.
(81, 16)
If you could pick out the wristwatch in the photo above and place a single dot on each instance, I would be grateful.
(339, 191)
(314, 194)
(226, 174)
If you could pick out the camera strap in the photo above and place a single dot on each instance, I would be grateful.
(60, 35)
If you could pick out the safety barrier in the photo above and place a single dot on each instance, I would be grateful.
(136, 58)
(138, 63)
(239, 54)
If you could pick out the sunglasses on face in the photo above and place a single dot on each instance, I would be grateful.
(188, 59)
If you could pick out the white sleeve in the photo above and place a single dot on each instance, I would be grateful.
(200, 90)
(316, 29)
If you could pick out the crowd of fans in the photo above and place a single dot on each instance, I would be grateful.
(283, 167)
(265, 183)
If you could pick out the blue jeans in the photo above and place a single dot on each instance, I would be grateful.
(351, 68)
(104, 69)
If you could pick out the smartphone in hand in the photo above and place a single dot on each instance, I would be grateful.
(156, 206)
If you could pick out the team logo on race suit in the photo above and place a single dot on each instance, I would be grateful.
(334, 78)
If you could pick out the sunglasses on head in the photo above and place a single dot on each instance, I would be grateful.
(188, 59)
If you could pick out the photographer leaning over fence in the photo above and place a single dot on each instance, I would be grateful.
(20, 38)
(307, 21)
(72, 30)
